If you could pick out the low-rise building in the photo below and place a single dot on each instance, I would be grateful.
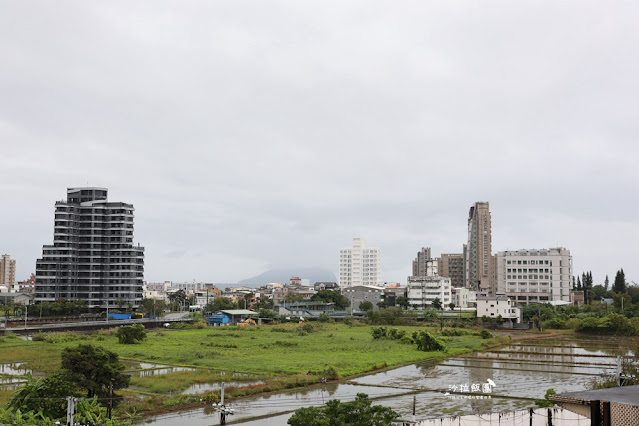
(305, 309)
(363, 293)
(493, 307)
(422, 291)
(325, 285)
(463, 297)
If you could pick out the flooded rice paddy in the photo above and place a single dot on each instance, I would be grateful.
(499, 380)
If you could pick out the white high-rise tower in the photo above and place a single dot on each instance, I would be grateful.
(360, 265)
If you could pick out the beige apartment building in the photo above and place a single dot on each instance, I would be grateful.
(7, 271)
(479, 262)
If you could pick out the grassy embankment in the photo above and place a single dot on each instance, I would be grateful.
(282, 356)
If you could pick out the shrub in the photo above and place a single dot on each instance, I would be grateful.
(324, 317)
(485, 334)
(555, 323)
(378, 332)
(308, 328)
(406, 340)
(427, 342)
(395, 334)
(331, 373)
(130, 334)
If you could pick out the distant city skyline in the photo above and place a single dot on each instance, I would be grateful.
(261, 136)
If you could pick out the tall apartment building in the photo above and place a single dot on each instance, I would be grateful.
(360, 265)
(92, 258)
(479, 264)
(535, 276)
(452, 265)
(7, 271)
(424, 265)
(420, 264)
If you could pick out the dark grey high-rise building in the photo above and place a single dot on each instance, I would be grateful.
(92, 258)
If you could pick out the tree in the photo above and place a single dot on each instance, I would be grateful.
(437, 304)
(293, 298)
(382, 304)
(402, 302)
(452, 305)
(153, 307)
(360, 412)
(46, 395)
(606, 283)
(267, 313)
(365, 306)
(263, 303)
(130, 334)
(619, 285)
(94, 369)
(177, 299)
(579, 287)
(340, 301)
(221, 304)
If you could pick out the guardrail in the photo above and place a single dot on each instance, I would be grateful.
(93, 325)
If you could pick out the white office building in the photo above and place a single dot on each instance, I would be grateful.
(360, 265)
(535, 276)
(422, 291)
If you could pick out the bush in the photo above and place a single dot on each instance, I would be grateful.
(395, 334)
(331, 373)
(378, 332)
(485, 334)
(348, 320)
(324, 317)
(555, 323)
(308, 328)
(612, 323)
(406, 340)
(427, 342)
(130, 334)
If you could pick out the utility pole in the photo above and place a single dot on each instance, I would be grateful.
(224, 411)
(110, 406)
(619, 370)
(414, 404)
(26, 313)
(70, 409)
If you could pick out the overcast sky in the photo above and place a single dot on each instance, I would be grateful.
(258, 134)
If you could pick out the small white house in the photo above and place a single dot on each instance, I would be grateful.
(494, 306)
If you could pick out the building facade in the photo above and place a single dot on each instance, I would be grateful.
(479, 249)
(363, 293)
(535, 276)
(7, 271)
(420, 264)
(92, 258)
(422, 291)
(452, 265)
(360, 265)
(492, 307)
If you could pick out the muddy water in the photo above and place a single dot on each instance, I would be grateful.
(274, 403)
(522, 370)
(207, 387)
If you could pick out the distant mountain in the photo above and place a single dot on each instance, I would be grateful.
(284, 275)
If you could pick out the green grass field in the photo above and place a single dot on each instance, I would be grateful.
(282, 356)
